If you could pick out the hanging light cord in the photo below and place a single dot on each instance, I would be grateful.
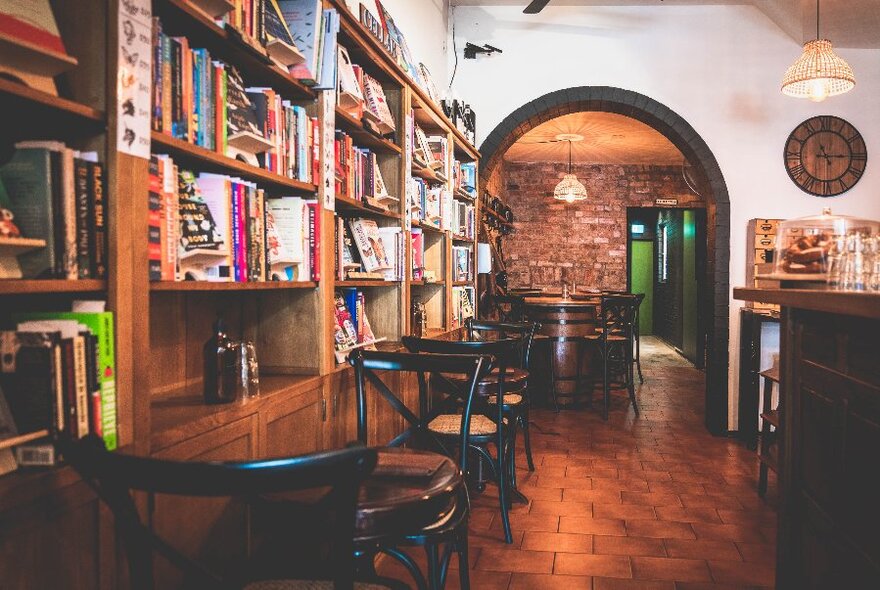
(569, 156)
(817, 19)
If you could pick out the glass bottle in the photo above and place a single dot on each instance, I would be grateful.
(219, 366)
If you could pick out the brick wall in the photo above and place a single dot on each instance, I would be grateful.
(582, 242)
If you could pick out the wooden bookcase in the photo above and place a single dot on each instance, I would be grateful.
(306, 398)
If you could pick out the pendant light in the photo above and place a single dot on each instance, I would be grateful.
(569, 188)
(819, 72)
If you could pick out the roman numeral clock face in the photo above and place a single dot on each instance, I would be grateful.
(825, 156)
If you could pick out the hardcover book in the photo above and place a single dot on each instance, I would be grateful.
(369, 244)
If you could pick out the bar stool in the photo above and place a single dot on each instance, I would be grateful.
(614, 341)
(769, 430)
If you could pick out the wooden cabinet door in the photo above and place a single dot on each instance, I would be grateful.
(293, 426)
(213, 531)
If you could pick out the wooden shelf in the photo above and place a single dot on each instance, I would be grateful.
(462, 283)
(179, 17)
(213, 8)
(459, 193)
(34, 286)
(459, 238)
(424, 283)
(31, 114)
(210, 161)
(366, 283)
(33, 58)
(427, 173)
(866, 305)
(22, 438)
(362, 137)
(344, 205)
(492, 213)
(175, 286)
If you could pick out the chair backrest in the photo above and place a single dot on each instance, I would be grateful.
(524, 330)
(115, 475)
(618, 315)
(366, 363)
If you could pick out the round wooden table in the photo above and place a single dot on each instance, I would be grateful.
(565, 323)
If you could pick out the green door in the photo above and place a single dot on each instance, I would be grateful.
(689, 287)
(641, 280)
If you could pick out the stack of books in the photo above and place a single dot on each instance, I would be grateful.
(352, 328)
(357, 174)
(366, 251)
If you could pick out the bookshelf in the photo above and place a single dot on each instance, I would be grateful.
(161, 326)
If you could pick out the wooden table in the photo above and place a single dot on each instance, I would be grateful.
(565, 323)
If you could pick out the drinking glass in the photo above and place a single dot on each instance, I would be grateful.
(247, 371)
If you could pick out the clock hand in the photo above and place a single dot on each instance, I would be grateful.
(824, 155)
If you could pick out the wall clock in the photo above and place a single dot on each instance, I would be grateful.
(825, 156)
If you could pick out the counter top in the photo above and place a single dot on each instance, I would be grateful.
(852, 303)
(556, 301)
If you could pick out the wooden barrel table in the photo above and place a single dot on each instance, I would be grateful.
(564, 324)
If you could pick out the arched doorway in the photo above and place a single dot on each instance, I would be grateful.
(708, 177)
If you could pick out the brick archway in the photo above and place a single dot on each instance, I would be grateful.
(713, 187)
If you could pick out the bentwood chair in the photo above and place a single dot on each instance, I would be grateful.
(114, 476)
(517, 402)
(614, 341)
(450, 530)
(487, 425)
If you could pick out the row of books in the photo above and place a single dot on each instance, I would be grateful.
(464, 219)
(430, 203)
(57, 373)
(366, 251)
(55, 194)
(291, 36)
(358, 175)
(462, 305)
(462, 263)
(362, 96)
(220, 228)
(205, 102)
(432, 151)
(352, 326)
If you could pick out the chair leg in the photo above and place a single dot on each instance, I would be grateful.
(461, 545)
(502, 488)
(762, 479)
(638, 358)
(433, 553)
(511, 448)
(527, 440)
(606, 390)
(631, 378)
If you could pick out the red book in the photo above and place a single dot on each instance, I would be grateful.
(315, 239)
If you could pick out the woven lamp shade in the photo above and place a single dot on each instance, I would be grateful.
(570, 189)
(818, 73)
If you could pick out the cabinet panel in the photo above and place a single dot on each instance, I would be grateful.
(211, 530)
(292, 427)
(817, 454)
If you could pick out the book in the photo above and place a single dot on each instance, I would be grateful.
(379, 114)
(286, 253)
(304, 19)
(344, 333)
(30, 378)
(327, 68)
(365, 233)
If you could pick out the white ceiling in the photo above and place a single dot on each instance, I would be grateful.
(848, 23)
(609, 138)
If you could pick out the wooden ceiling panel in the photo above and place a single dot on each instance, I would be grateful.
(609, 138)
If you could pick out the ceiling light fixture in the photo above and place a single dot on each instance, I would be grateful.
(819, 72)
(569, 188)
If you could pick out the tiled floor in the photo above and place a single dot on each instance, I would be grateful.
(648, 502)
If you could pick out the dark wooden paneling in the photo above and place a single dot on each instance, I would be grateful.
(292, 427)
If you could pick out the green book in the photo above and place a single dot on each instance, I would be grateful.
(101, 325)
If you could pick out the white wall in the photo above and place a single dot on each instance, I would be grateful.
(424, 24)
(719, 67)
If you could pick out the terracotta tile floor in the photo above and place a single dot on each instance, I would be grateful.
(640, 502)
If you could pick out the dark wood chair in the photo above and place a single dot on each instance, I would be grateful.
(614, 341)
(487, 424)
(451, 529)
(114, 476)
(517, 402)
(768, 453)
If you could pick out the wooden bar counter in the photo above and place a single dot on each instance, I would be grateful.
(829, 516)
(564, 324)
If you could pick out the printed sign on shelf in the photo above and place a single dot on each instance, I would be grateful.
(328, 138)
(134, 83)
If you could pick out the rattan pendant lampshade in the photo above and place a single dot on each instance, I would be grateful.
(819, 72)
(569, 188)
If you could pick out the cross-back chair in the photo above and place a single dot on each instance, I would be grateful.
(487, 425)
(451, 528)
(114, 476)
(614, 341)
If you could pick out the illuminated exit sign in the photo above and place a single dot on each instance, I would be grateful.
(666, 202)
